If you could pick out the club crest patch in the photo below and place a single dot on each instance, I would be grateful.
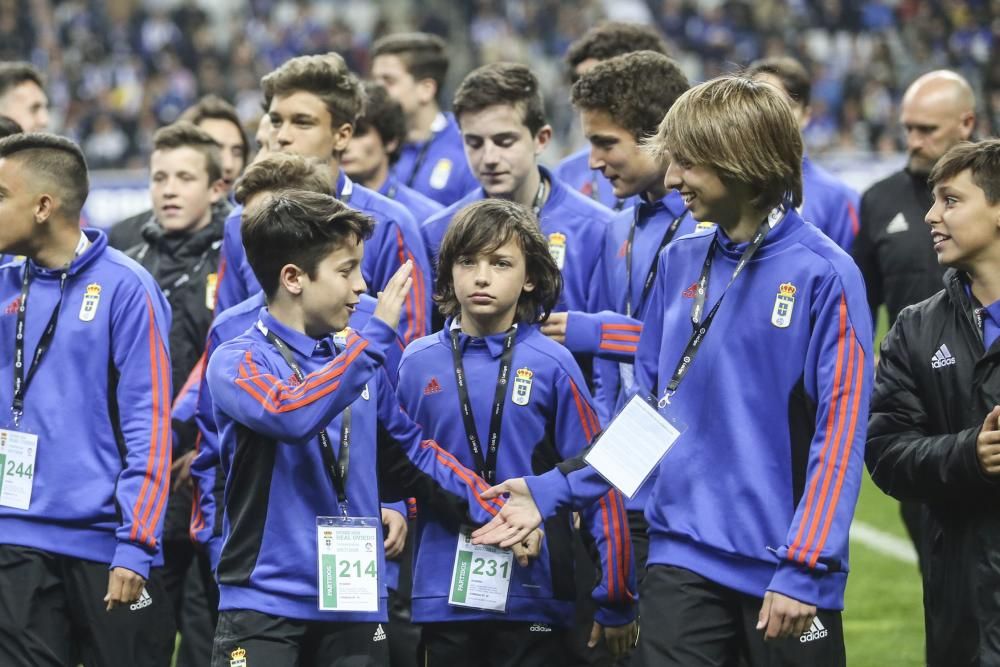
(211, 287)
(557, 248)
(522, 386)
(784, 303)
(238, 658)
(441, 174)
(91, 297)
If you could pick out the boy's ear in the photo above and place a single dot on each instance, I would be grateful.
(529, 285)
(542, 138)
(217, 190)
(341, 137)
(426, 91)
(44, 207)
(291, 278)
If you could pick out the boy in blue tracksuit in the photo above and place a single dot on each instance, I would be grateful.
(376, 146)
(768, 364)
(502, 117)
(413, 68)
(496, 277)
(826, 202)
(292, 495)
(313, 102)
(85, 435)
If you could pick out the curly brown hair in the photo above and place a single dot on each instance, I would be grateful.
(610, 39)
(636, 89)
(483, 227)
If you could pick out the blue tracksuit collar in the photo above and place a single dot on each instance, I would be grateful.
(788, 228)
(345, 186)
(557, 191)
(493, 342)
(306, 346)
(98, 242)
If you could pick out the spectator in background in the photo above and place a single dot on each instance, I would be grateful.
(375, 147)
(412, 67)
(826, 202)
(604, 41)
(22, 96)
(218, 119)
(893, 249)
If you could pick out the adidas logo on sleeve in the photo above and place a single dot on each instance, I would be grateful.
(942, 358)
(816, 631)
(379, 635)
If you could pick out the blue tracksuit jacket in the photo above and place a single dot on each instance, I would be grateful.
(829, 204)
(276, 483)
(759, 491)
(100, 406)
(556, 423)
(443, 172)
(420, 206)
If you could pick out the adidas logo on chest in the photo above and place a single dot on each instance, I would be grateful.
(942, 358)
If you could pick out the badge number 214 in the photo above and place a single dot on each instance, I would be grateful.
(348, 564)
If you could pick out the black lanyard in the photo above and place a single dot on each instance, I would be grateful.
(487, 465)
(337, 468)
(21, 382)
(700, 327)
(421, 158)
(540, 196)
(668, 236)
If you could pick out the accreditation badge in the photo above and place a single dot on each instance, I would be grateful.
(522, 386)
(91, 298)
(211, 288)
(557, 248)
(440, 174)
(347, 549)
(784, 303)
(480, 577)
(17, 468)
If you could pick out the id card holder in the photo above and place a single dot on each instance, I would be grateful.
(347, 557)
(17, 467)
(630, 449)
(480, 578)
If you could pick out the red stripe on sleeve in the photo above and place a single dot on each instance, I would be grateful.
(467, 476)
(606, 520)
(162, 483)
(830, 426)
(157, 398)
(581, 411)
(848, 443)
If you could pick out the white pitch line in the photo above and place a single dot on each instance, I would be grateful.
(882, 542)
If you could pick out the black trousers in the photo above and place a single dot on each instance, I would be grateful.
(52, 612)
(689, 621)
(404, 634)
(262, 639)
(492, 644)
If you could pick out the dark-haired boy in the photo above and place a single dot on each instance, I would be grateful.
(295, 501)
(313, 103)
(500, 110)
(934, 436)
(413, 67)
(602, 42)
(22, 96)
(826, 202)
(85, 438)
(376, 146)
(180, 248)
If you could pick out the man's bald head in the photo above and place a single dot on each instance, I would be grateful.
(937, 112)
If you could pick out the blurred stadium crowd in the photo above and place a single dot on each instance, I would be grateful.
(119, 69)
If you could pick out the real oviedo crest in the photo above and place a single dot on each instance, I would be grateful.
(522, 386)
(557, 248)
(91, 297)
(784, 303)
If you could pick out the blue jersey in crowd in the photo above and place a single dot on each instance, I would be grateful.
(547, 417)
(758, 493)
(575, 172)
(437, 168)
(99, 403)
(829, 204)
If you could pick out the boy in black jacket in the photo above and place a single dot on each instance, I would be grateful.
(934, 435)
